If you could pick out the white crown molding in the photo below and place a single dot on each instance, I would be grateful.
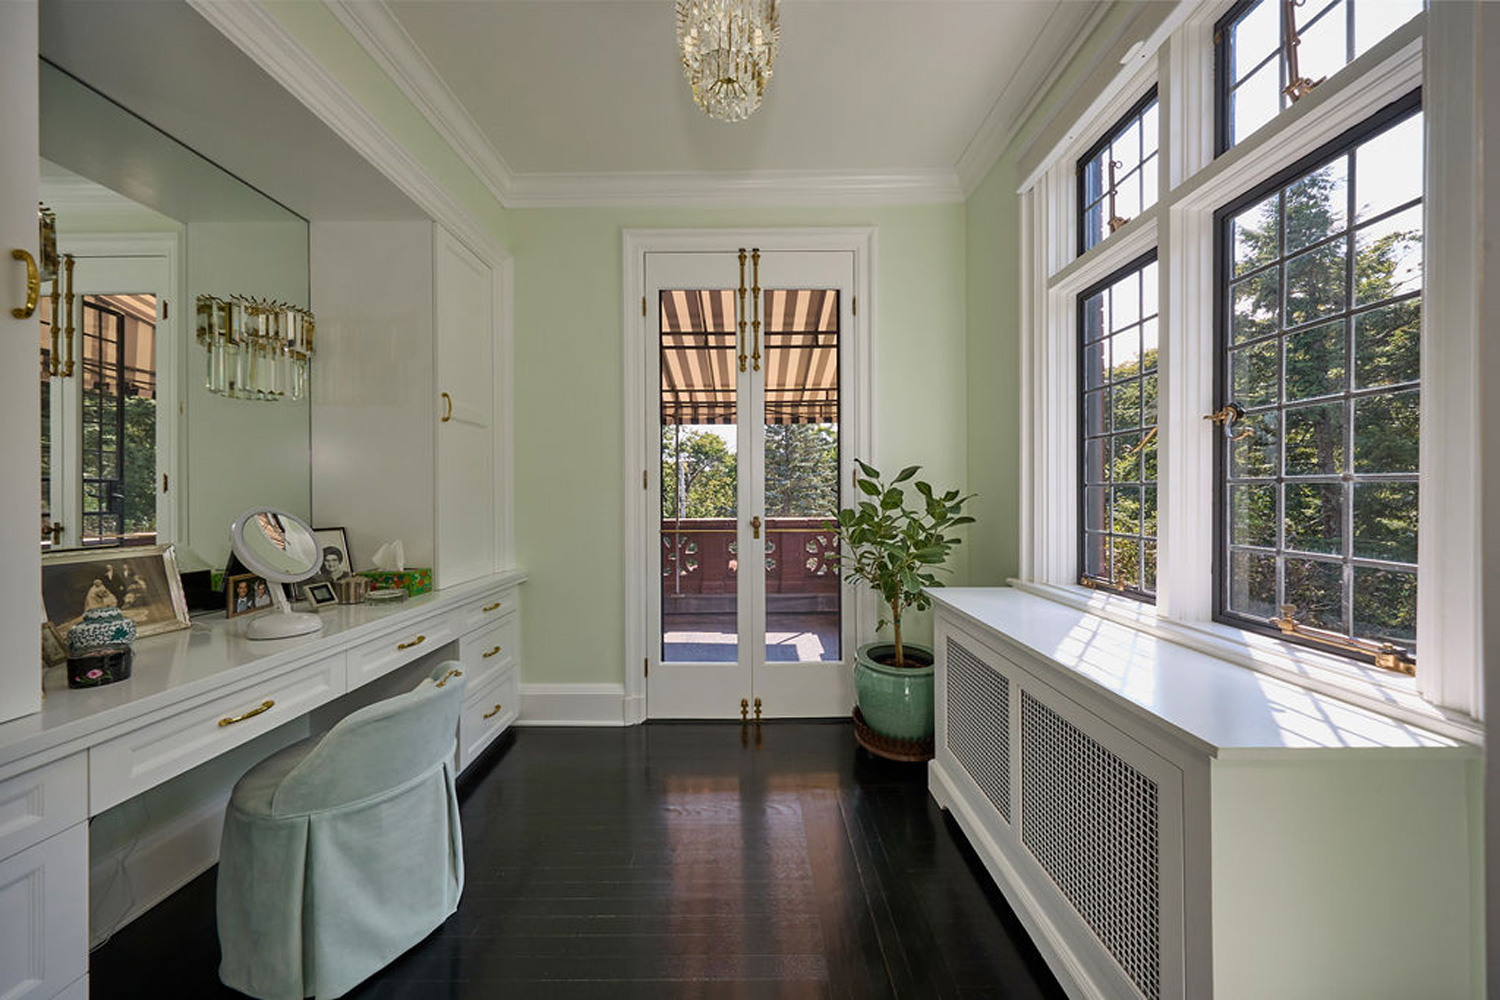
(383, 38)
(381, 35)
(1062, 37)
(760, 188)
(257, 33)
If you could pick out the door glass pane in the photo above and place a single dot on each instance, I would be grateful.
(699, 478)
(118, 372)
(801, 367)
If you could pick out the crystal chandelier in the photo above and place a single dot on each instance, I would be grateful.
(728, 47)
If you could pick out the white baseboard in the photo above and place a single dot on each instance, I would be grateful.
(572, 705)
(131, 881)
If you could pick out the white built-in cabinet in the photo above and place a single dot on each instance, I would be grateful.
(1169, 826)
(408, 396)
(20, 399)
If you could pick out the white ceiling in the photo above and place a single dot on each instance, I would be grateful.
(532, 90)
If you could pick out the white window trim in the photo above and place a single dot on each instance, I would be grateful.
(1447, 692)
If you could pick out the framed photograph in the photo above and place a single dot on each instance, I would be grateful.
(319, 594)
(336, 564)
(54, 646)
(141, 581)
(243, 593)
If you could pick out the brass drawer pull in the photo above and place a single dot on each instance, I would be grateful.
(415, 642)
(33, 286)
(490, 607)
(264, 706)
(493, 652)
(448, 677)
(492, 713)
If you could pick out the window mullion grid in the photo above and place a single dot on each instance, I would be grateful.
(1350, 297)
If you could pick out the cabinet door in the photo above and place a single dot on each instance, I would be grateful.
(20, 393)
(44, 907)
(464, 289)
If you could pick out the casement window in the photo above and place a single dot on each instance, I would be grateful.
(1314, 295)
(1117, 177)
(1271, 53)
(1319, 334)
(1117, 325)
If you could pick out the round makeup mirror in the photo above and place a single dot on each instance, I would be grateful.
(279, 546)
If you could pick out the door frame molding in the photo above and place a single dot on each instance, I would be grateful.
(171, 362)
(636, 243)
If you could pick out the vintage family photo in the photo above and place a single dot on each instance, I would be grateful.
(142, 582)
(335, 563)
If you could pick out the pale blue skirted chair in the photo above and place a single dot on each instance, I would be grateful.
(342, 851)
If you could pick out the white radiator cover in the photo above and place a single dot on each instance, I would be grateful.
(1149, 863)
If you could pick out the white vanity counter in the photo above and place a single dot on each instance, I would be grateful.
(212, 659)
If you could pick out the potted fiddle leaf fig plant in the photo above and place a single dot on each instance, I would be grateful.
(895, 547)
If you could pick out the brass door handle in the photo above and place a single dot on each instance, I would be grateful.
(492, 712)
(264, 706)
(755, 525)
(490, 607)
(447, 414)
(415, 642)
(33, 284)
(493, 652)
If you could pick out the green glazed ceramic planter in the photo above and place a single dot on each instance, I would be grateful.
(895, 701)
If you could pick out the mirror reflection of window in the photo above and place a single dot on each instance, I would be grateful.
(108, 407)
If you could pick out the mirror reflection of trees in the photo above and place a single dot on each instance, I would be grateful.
(1323, 348)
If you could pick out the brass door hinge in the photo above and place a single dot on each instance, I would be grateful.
(164, 482)
(644, 474)
(854, 304)
(643, 305)
(646, 664)
(166, 310)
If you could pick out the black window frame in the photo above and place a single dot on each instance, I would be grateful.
(1222, 82)
(1138, 263)
(1387, 117)
(1080, 201)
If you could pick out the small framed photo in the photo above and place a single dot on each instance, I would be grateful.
(244, 593)
(142, 581)
(319, 594)
(334, 563)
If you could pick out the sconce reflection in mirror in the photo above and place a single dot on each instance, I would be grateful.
(257, 349)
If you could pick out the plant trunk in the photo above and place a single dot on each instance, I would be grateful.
(896, 625)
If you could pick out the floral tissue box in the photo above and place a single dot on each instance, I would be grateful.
(414, 581)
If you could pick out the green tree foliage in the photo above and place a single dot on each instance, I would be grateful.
(802, 469)
(1314, 363)
(140, 464)
(701, 464)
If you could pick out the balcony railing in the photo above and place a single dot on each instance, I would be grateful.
(700, 564)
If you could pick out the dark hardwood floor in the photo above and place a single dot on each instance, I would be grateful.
(674, 860)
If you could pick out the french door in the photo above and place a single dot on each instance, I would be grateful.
(747, 373)
(106, 439)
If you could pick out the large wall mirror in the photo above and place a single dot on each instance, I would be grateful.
(135, 449)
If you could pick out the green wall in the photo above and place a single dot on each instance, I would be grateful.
(993, 356)
(569, 399)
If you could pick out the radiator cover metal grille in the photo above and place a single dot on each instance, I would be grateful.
(1091, 820)
(979, 724)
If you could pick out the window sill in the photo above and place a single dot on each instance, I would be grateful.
(1390, 694)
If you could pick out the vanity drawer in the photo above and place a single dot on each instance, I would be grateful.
(36, 804)
(484, 611)
(483, 651)
(128, 765)
(380, 656)
(487, 712)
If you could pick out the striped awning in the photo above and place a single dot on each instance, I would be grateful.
(700, 350)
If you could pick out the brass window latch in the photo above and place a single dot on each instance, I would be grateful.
(1387, 655)
(1226, 417)
(755, 525)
